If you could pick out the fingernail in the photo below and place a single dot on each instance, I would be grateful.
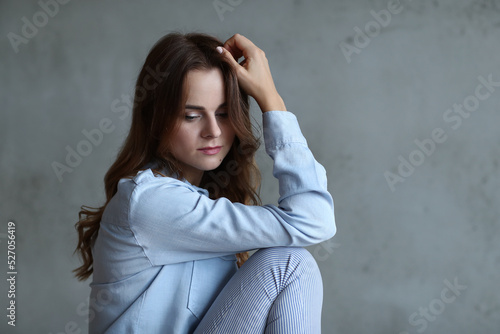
(219, 49)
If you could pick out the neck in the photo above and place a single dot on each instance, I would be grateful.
(195, 180)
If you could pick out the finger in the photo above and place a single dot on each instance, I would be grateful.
(238, 45)
(225, 53)
(234, 54)
(237, 54)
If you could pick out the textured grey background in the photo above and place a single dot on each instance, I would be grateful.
(394, 250)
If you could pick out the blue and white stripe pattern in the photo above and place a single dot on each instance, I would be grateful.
(278, 290)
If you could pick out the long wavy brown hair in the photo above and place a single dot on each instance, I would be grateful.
(158, 101)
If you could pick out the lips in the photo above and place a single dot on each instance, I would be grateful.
(210, 150)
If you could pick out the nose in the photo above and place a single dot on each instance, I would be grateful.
(211, 128)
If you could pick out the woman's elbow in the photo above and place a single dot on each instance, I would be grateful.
(327, 231)
(324, 228)
(327, 222)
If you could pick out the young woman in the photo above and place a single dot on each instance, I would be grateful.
(182, 209)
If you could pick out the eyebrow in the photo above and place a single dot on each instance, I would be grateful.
(193, 107)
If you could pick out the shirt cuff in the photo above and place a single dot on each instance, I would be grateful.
(281, 128)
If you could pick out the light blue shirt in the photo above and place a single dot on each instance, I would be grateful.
(165, 249)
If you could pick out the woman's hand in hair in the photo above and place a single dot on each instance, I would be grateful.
(254, 74)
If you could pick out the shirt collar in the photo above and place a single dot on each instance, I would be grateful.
(168, 173)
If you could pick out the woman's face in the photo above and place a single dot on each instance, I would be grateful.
(205, 134)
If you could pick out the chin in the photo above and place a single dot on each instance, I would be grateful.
(209, 165)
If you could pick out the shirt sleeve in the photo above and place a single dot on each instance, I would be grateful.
(173, 222)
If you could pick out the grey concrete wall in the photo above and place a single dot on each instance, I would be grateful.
(395, 108)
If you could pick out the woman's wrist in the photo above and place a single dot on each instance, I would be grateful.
(273, 102)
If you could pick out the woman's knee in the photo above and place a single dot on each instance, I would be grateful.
(281, 253)
(296, 259)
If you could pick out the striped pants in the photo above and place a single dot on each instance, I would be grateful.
(278, 290)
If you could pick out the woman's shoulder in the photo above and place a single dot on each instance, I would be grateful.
(146, 192)
(148, 175)
(148, 180)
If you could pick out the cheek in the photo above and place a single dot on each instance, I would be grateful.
(180, 141)
(229, 133)
(183, 135)
(229, 138)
